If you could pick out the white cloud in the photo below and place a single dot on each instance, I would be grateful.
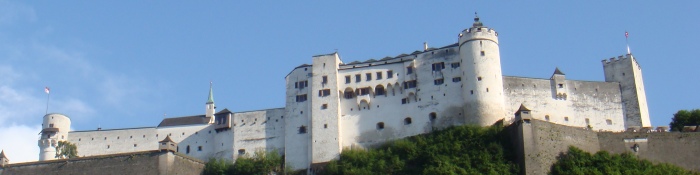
(20, 142)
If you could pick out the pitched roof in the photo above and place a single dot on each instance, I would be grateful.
(211, 94)
(189, 120)
(167, 139)
(522, 108)
(2, 154)
(224, 111)
(558, 72)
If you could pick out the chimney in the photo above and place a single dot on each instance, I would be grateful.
(425, 46)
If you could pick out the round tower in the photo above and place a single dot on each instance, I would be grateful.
(54, 128)
(481, 64)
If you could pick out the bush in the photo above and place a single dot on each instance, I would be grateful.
(580, 162)
(456, 150)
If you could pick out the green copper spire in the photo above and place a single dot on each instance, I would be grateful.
(211, 94)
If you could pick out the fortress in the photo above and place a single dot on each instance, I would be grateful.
(332, 105)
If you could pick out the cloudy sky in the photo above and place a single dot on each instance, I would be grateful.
(129, 64)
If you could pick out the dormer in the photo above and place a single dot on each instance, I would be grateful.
(558, 81)
(167, 144)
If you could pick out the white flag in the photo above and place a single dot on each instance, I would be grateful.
(46, 89)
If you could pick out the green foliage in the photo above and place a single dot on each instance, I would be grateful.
(65, 149)
(685, 118)
(456, 150)
(260, 163)
(580, 162)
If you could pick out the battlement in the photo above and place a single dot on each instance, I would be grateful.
(614, 59)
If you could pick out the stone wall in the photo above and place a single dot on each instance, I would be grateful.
(678, 148)
(147, 162)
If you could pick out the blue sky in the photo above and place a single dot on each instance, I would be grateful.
(126, 64)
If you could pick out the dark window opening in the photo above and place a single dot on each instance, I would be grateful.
(324, 92)
(301, 98)
(389, 74)
(561, 85)
(364, 91)
(432, 116)
(407, 121)
(241, 151)
(301, 84)
(358, 78)
(324, 79)
(478, 78)
(438, 66)
(380, 125)
(409, 70)
(368, 76)
(455, 65)
(483, 53)
(566, 119)
(380, 90)
(348, 94)
(199, 148)
(324, 106)
(379, 75)
(471, 91)
(325, 125)
(546, 117)
(409, 84)
(187, 151)
(456, 79)
(439, 81)
(302, 129)
(347, 79)
(404, 101)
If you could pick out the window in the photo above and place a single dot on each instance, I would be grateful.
(347, 79)
(608, 121)
(456, 79)
(324, 80)
(546, 117)
(348, 94)
(380, 90)
(409, 84)
(404, 101)
(187, 151)
(588, 121)
(432, 116)
(301, 98)
(566, 119)
(482, 53)
(301, 84)
(241, 151)
(325, 125)
(199, 148)
(389, 74)
(439, 81)
(478, 78)
(368, 76)
(455, 65)
(407, 121)
(438, 66)
(358, 78)
(561, 85)
(379, 75)
(364, 91)
(135, 145)
(324, 92)
(302, 129)
(380, 125)
(107, 146)
(51, 125)
(324, 106)
(409, 70)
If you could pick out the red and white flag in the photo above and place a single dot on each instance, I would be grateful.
(627, 35)
(46, 89)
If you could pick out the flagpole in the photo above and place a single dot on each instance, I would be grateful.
(48, 97)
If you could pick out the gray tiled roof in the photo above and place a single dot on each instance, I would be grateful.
(189, 120)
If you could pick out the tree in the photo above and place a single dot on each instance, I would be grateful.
(65, 150)
(685, 118)
(577, 161)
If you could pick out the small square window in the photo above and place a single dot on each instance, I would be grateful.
(455, 65)
(358, 78)
(561, 85)
(483, 53)
(608, 121)
(456, 79)
(241, 151)
(566, 119)
(439, 81)
(325, 125)
(324, 79)
(380, 125)
(324, 106)
(409, 70)
(302, 129)
(368, 76)
(389, 74)
(379, 75)
(478, 78)
(347, 79)
(199, 148)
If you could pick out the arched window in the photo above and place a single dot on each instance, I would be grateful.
(349, 93)
(379, 90)
(407, 121)
(380, 125)
(432, 116)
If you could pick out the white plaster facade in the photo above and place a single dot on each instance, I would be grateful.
(331, 105)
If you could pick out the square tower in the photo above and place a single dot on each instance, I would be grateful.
(626, 71)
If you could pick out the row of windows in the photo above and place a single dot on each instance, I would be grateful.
(588, 121)
(144, 136)
(380, 126)
(368, 77)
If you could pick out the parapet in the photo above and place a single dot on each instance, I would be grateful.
(619, 58)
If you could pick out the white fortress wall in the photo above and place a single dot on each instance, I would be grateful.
(324, 99)
(297, 119)
(599, 102)
(101, 142)
(253, 131)
(401, 111)
(192, 136)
